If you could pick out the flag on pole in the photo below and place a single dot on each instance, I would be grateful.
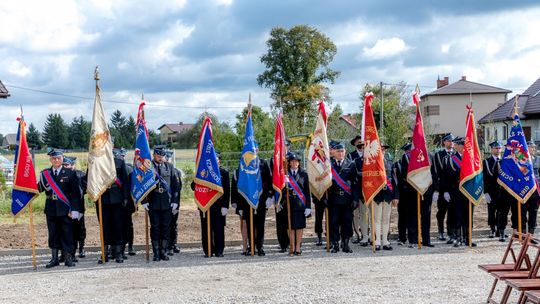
(318, 166)
(278, 170)
(249, 174)
(208, 187)
(101, 169)
(374, 173)
(25, 182)
(471, 180)
(419, 170)
(144, 176)
(516, 172)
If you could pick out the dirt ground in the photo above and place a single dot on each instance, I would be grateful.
(17, 235)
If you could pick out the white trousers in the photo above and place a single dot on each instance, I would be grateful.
(382, 222)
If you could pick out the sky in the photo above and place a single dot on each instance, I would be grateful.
(189, 56)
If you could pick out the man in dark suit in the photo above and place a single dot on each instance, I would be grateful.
(439, 159)
(160, 203)
(62, 188)
(491, 188)
(173, 243)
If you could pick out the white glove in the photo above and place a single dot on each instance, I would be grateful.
(174, 211)
(75, 215)
(174, 206)
(234, 205)
(241, 212)
(435, 196)
(224, 211)
(145, 206)
(269, 202)
(488, 197)
(307, 212)
(446, 196)
(80, 216)
(279, 207)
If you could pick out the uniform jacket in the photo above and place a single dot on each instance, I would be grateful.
(388, 193)
(159, 199)
(302, 181)
(118, 192)
(336, 195)
(490, 174)
(69, 183)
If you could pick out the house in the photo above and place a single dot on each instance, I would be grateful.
(169, 133)
(496, 124)
(10, 141)
(444, 109)
(3, 91)
(351, 120)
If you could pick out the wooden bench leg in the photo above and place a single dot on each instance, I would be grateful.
(492, 290)
(506, 295)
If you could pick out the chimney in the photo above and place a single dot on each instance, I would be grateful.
(463, 77)
(181, 123)
(442, 83)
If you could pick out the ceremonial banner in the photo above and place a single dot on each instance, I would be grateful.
(208, 187)
(143, 176)
(471, 178)
(318, 165)
(374, 173)
(419, 170)
(516, 172)
(25, 183)
(278, 170)
(101, 169)
(249, 174)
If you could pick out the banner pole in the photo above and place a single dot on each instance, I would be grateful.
(419, 220)
(209, 233)
(100, 207)
(289, 230)
(373, 226)
(326, 214)
(32, 235)
(147, 236)
(252, 242)
(470, 224)
(519, 219)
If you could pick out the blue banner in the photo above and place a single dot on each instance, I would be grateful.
(249, 174)
(143, 178)
(516, 172)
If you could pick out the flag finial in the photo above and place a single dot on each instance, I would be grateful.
(142, 96)
(249, 102)
(96, 73)
(516, 106)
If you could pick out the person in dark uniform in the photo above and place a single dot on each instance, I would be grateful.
(160, 203)
(530, 208)
(360, 219)
(298, 195)
(63, 191)
(359, 145)
(400, 172)
(442, 204)
(173, 244)
(218, 213)
(282, 226)
(113, 202)
(242, 209)
(128, 209)
(321, 205)
(79, 227)
(383, 202)
(458, 211)
(340, 201)
(491, 188)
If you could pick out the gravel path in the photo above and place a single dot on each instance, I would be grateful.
(405, 275)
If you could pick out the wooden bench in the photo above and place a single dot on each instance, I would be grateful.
(532, 296)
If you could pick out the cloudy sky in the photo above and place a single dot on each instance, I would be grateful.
(187, 55)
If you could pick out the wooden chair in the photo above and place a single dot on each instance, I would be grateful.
(532, 282)
(517, 263)
(532, 296)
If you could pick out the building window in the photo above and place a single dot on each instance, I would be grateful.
(488, 134)
(431, 110)
(496, 134)
(504, 132)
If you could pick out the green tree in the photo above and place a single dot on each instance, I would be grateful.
(398, 114)
(33, 137)
(118, 129)
(297, 66)
(79, 133)
(153, 138)
(55, 132)
(1, 138)
(130, 132)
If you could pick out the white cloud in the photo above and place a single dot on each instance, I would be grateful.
(224, 2)
(385, 48)
(173, 37)
(445, 48)
(350, 33)
(17, 68)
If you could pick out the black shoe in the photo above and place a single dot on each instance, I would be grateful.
(501, 238)
(491, 234)
(298, 252)
(261, 252)
(118, 254)
(176, 249)
(401, 243)
(62, 258)
(335, 247)
(451, 241)
(54, 260)
(74, 258)
(428, 245)
(69, 260)
(219, 255)
(319, 240)
(282, 250)
(155, 258)
(356, 240)
(456, 243)
(170, 252)
(363, 244)
(387, 247)
(100, 260)
(130, 250)
(345, 245)
(163, 256)
(441, 237)
(378, 248)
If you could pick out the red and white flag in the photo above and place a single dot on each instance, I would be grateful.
(319, 168)
(419, 170)
(278, 169)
